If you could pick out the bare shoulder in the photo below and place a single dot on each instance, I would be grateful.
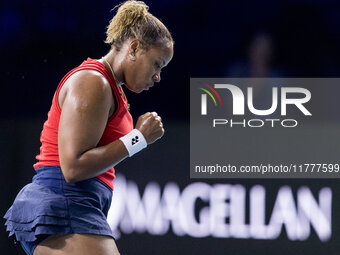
(87, 86)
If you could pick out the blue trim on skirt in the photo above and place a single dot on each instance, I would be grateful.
(49, 205)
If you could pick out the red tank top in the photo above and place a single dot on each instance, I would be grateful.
(118, 125)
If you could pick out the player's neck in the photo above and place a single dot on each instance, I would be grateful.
(115, 59)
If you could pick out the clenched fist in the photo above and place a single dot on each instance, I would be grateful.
(151, 126)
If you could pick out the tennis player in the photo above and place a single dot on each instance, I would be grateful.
(89, 130)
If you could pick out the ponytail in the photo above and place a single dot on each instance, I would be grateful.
(133, 21)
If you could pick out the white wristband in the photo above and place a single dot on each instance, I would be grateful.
(134, 141)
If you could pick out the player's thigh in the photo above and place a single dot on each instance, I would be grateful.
(74, 244)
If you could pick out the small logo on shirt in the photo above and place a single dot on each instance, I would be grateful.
(135, 140)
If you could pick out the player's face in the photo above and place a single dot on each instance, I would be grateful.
(144, 66)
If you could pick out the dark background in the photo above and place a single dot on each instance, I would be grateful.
(42, 40)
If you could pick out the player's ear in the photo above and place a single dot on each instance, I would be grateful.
(133, 49)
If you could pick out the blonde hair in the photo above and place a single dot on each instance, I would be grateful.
(134, 21)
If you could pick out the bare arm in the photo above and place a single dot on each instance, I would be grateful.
(85, 111)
